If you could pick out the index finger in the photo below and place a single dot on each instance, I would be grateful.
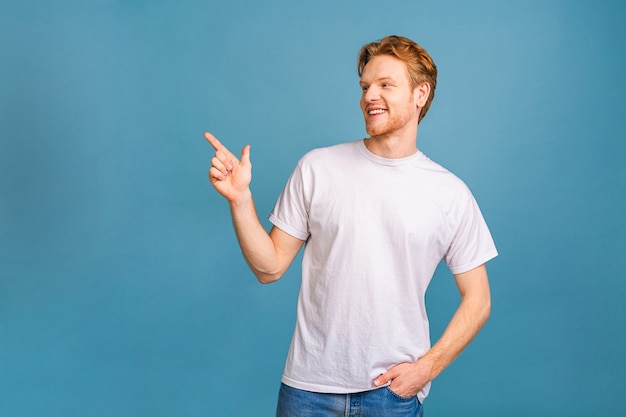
(217, 145)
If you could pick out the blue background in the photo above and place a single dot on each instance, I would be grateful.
(122, 288)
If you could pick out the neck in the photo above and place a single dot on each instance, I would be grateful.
(392, 146)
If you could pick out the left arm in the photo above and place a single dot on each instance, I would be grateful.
(407, 379)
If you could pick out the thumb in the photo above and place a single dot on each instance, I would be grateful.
(382, 379)
(245, 155)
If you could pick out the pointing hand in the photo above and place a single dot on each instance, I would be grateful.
(230, 176)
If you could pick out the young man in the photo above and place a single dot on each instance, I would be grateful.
(377, 217)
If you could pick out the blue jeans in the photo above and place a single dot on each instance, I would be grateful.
(381, 402)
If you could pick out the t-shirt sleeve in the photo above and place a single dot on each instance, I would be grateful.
(472, 244)
(290, 213)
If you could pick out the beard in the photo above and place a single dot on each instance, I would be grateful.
(392, 121)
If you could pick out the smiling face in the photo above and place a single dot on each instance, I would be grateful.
(389, 103)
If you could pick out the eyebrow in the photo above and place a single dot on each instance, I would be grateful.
(386, 78)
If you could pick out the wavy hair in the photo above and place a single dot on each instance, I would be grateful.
(420, 65)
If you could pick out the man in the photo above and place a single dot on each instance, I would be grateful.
(377, 217)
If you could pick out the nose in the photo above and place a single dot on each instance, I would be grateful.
(371, 94)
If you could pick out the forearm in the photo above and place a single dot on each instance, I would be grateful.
(267, 254)
(469, 318)
(409, 378)
(256, 244)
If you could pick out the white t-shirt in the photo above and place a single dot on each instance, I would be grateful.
(375, 231)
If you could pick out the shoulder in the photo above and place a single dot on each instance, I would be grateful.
(441, 178)
(329, 154)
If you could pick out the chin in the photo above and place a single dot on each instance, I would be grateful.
(375, 132)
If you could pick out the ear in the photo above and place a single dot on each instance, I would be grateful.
(421, 94)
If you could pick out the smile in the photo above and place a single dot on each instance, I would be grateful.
(377, 111)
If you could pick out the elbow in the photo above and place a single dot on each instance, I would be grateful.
(266, 274)
(271, 270)
(486, 310)
(267, 277)
(479, 308)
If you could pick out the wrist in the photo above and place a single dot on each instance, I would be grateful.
(241, 199)
(432, 364)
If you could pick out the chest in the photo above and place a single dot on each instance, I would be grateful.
(389, 207)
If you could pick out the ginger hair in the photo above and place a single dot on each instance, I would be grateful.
(420, 66)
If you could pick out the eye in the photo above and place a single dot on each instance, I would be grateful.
(364, 88)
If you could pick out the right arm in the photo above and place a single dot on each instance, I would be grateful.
(268, 254)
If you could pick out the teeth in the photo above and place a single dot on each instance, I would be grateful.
(379, 111)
